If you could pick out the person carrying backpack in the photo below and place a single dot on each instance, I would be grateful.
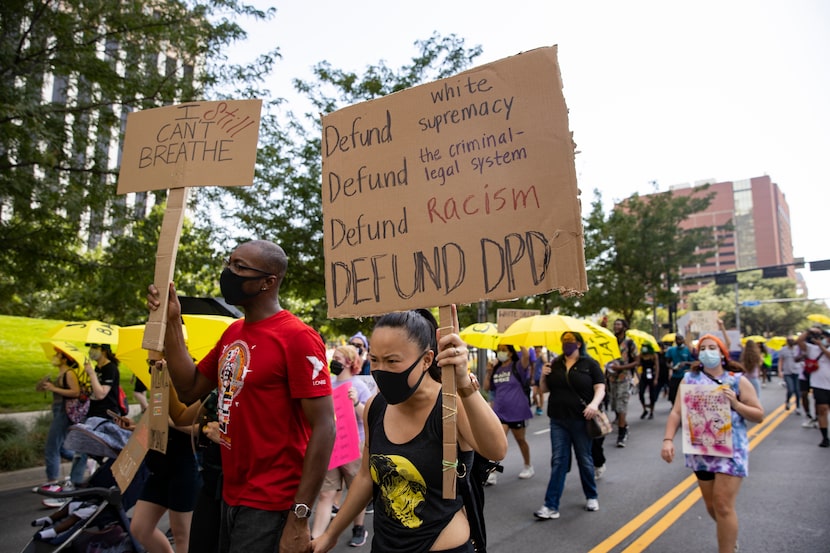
(509, 378)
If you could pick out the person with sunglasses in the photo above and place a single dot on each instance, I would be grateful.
(275, 411)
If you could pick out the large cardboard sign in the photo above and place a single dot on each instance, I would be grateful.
(192, 144)
(452, 192)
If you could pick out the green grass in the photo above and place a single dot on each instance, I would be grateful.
(23, 362)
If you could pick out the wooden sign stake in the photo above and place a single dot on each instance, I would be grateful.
(450, 405)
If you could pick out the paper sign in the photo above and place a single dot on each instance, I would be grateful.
(159, 407)
(703, 320)
(192, 144)
(347, 440)
(126, 465)
(506, 317)
(707, 420)
(455, 191)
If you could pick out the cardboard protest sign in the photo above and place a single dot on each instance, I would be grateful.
(347, 440)
(703, 321)
(192, 144)
(706, 420)
(506, 317)
(126, 465)
(452, 192)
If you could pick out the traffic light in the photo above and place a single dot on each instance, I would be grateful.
(774, 272)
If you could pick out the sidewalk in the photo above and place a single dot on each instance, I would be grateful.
(34, 476)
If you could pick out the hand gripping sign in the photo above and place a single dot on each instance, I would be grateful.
(475, 175)
(176, 147)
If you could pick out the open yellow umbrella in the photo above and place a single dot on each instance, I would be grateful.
(757, 338)
(542, 330)
(819, 318)
(669, 338)
(641, 337)
(601, 344)
(87, 332)
(71, 350)
(481, 335)
(201, 332)
(776, 342)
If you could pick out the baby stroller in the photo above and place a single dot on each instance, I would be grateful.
(94, 520)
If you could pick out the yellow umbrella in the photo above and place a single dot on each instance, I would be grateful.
(819, 318)
(758, 339)
(776, 342)
(481, 335)
(641, 337)
(601, 344)
(203, 331)
(669, 338)
(71, 350)
(542, 330)
(87, 332)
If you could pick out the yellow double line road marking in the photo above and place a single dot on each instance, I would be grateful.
(756, 435)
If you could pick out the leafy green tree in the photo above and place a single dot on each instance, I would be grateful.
(71, 70)
(635, 253)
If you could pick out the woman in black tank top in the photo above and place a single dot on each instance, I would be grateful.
(401, 470)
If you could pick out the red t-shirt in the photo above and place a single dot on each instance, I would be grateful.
(263, 370)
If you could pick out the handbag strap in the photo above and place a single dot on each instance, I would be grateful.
(568, 380)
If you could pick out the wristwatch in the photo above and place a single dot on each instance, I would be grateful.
(301, 510)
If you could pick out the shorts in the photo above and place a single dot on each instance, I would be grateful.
(705, 475)
(821, 396)
(174, 479)
(344, 474)
(620, 393)
(515, 425)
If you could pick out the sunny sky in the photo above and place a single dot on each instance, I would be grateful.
(666, 91)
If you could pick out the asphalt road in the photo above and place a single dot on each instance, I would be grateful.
(645, 504)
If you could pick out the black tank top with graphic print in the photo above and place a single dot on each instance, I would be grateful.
(410, 511)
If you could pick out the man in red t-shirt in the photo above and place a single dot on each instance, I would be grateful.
(275, 412)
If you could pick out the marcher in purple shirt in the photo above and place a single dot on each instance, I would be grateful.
(509, 380)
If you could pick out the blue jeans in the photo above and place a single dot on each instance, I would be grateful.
(565, 433)
(793, 389)
(249, 530)
(54, 450)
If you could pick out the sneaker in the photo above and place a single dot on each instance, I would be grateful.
(808, 423)
(592, 505)
(528, 472)
(824, 443)
(545, 514)
(359, 535)
(48, 487)
(797, 412)
(651, 415)
(598, 472)
(644, 415)
(492, 479)
(539, 411)
(370, 508)
(334, 510)
(55, 502)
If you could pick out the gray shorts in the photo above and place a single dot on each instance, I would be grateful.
(619, 392)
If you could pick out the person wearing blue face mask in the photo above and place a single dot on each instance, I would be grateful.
(719, 478)
(577, 387)
(401, 468)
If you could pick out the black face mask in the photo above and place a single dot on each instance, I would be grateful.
(394, 387)
(231, 283)
(335, 367)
